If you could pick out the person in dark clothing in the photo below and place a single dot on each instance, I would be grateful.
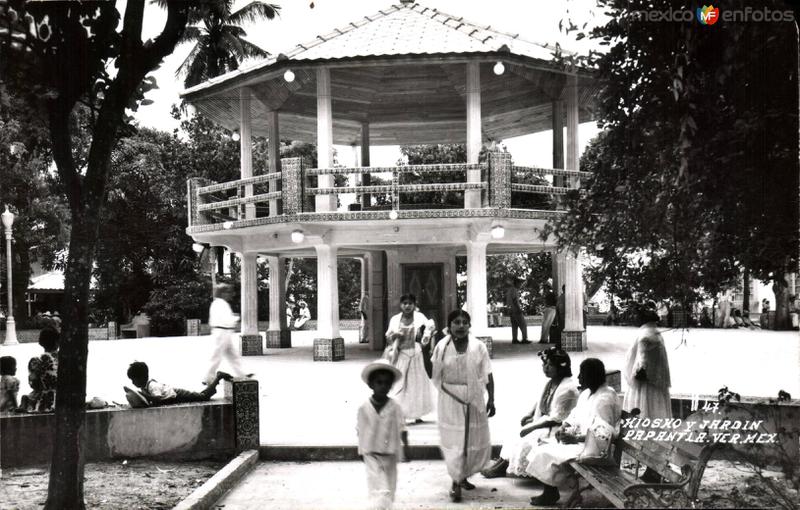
(515, 310)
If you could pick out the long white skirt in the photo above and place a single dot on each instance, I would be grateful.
(548, 462)
(413, 390)
(516, 450)
(452, 428)
(652, 401)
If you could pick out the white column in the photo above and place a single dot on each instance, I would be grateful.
(246, 148)
(327, 292)
(277, 294)
(573, 281)
(274, 156)
(476, 286)
(573, 154)
(249, 283)
(324, 138)
(472, 198)
(365, 178)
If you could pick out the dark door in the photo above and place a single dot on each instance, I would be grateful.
(425, 281)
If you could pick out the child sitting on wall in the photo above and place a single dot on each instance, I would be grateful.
(9, 384)
(153, 393)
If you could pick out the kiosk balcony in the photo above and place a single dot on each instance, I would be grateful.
(495, 188)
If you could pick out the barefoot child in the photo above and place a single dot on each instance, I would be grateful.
(155, 393)
(9, 384)
(381, 429)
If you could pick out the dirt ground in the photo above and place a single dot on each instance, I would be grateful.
(734, 485)
(132, 485)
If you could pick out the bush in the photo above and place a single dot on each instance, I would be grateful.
(170, 305)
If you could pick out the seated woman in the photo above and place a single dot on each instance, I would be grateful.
(596, 415)
(42, 375)
(303, 315)
(555, 403)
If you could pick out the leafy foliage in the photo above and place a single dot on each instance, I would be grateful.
(686, 188)
(40, 227)
(219, 39)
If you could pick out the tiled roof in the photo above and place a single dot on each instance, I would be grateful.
(404, 29)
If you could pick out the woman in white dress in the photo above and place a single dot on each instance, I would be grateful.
(555, 403)
(412, 390)
(462, 373)
(597, 413)
(647, 374)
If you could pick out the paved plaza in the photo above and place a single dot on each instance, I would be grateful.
(314, 403)
(342, 485)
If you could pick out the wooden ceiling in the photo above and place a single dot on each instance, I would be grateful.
(406, 103)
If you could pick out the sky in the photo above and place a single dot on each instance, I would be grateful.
(534, 20)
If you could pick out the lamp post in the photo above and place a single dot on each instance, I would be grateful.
(11, 328)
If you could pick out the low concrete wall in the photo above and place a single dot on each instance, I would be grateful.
(217, 429)
(181, 432)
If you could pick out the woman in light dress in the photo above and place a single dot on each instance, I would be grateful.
(597, 414)
(555, 403)
(462, 373)
(412, 390)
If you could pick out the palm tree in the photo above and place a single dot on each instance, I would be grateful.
(218, 37)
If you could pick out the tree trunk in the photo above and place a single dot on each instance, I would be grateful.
(781, 290)
(746, 293)
(65, 489)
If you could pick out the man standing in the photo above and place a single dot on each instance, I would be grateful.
(515, 310)
(549, 313)
(222, 322)
(363, 307)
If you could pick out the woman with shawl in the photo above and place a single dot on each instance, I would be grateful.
(412, 390)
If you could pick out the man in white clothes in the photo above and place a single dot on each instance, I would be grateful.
(223, 321)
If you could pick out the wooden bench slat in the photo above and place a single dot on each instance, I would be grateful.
(611, 482)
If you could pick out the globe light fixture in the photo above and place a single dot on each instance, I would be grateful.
(393, 214)
(498, 232)
(235, 136)
(298, 236)
(288, 76)
(499, 68)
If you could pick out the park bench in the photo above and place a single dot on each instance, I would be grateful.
(681, 473)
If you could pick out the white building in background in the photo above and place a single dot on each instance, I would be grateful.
(406, 75)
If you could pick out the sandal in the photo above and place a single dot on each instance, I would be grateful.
(465, 484)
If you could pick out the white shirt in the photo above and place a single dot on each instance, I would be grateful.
(380, 432)
(220, 315)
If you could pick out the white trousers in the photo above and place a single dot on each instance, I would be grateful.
(223, 351)
(381, 479)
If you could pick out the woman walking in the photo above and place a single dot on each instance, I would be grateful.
(462, 372)
(413, 388)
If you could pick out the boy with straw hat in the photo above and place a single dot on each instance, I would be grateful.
(381, 433)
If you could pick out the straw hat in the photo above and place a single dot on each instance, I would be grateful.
(379, 364)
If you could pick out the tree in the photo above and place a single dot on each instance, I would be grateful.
(219, 39)
(64, 54)
(39, 227)
(434, 154)
(686, 189)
